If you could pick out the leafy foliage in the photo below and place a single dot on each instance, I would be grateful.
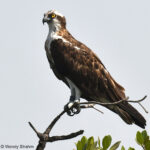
(142, 139)
(90, 144)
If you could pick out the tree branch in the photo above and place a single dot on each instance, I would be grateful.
(44, 137)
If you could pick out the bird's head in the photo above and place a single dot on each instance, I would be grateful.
(54, 19)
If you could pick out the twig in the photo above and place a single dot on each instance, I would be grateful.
(48, 130)
(90, 106)
(33, 127)
(114, 103)
(143, 107)
(118, 102)
(98, 110)
(65, 137)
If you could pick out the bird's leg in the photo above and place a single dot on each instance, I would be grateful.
(73, 107)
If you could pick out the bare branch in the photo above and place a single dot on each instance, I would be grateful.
(48, 130)
(65, 137)
(114, 103)
(41, 145)
(98, 110)
(33, 127)
(44, 137)
(143, 107)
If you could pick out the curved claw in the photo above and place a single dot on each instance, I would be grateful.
(70, 113)
(78, 111)
(76, 108)
(68, 110)
(72, 108)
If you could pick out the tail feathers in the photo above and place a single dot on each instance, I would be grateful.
(130, 115)
(124, 115)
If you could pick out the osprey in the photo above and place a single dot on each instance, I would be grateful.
(83, 72)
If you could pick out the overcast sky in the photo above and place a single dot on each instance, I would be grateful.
(117, 31)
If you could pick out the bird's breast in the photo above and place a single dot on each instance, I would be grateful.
(48, 48)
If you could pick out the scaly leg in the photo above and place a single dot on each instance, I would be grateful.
(73, 107)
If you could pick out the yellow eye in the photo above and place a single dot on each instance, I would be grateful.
(53, 15)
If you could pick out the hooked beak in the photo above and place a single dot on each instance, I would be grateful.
(45, 19)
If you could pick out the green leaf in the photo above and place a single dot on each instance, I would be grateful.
(139, 138)
(130, 148)
(122, 148)
(84, 142)
(91, 140)
(145, 136)
(79, 145)
(106, 142)
(115, 146)
(93, 147)
(90, 143)
(147, 145)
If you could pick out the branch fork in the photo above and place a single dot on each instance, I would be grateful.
(44, 137)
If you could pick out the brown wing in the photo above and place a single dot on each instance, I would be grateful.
(53, 67)
(88, 73)
(84, 68)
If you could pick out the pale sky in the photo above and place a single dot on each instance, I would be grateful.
(118, 31)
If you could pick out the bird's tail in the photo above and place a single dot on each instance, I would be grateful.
(130, 115)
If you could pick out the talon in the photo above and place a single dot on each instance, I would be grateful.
(68, 110)
(72, 108)
(78, 110)
(77, 107)
(69, 113)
